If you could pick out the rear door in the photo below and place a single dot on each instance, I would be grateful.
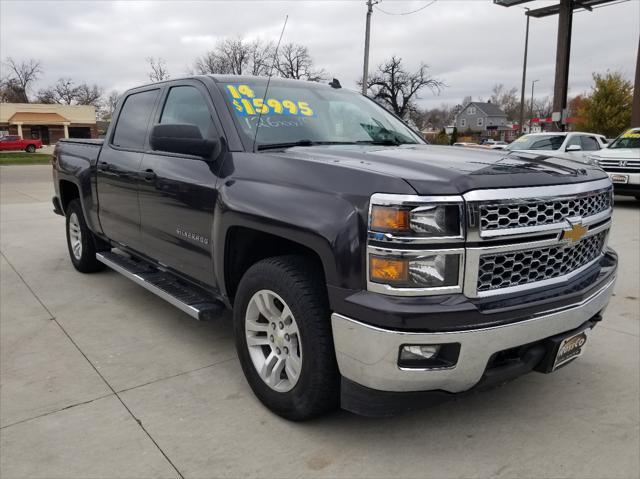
(178, 193)
(118, 168)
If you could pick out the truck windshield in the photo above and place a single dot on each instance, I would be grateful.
(629, 139)
(537, 142)
(307, 114)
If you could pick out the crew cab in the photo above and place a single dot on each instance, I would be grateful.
(621, 159)
(365, 268)
(16, 143)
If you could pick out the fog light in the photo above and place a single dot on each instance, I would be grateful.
(419, 351)
(428, 356)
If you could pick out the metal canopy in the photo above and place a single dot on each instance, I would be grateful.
(555, 9)
(551, 9)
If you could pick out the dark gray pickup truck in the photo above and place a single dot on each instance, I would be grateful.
(365, 268)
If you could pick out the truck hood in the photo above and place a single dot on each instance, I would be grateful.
(619, 153)
(432, 170)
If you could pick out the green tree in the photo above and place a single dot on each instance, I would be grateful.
(454, 136)
(607, 110)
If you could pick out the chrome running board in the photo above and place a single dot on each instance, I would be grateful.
(187, 298)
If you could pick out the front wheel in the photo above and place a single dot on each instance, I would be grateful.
(30, 149)
(283, 337)
(80, 240)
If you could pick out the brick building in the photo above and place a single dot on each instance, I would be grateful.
(48, 123)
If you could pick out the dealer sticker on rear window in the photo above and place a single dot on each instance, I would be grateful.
(245, 103)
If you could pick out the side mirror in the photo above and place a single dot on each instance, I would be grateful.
(181, 138)
(574, 148)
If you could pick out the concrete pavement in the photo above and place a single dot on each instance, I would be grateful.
(101, 379)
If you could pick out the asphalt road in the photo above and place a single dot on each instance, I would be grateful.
(101, 379)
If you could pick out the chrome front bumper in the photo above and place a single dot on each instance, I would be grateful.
(369, 356)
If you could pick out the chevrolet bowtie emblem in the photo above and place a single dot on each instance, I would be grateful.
(574, 235)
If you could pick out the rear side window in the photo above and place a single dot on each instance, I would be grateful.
(589, 143)
(185, 104)
(132, 124)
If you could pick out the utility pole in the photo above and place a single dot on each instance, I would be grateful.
(367, 35)
(561, 86)
(635, 108)
(533, 84)
(524, 75)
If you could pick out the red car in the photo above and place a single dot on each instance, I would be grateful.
(15, 142)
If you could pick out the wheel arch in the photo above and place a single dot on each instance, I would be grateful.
(245, 245)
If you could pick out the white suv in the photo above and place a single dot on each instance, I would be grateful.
(577, 145)
(621, 159)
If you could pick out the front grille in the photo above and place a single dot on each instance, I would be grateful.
(534, 212)
(515, 268)
(629, 166)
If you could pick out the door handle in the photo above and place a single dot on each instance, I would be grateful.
(149, 175)
(104, 166)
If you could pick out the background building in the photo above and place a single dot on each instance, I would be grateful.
(486, 119)
(48, 123)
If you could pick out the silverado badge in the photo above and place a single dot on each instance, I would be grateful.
(574, 235)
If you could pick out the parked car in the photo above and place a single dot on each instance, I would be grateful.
(364, 267)
(16, 143)
(621, 159)
(576, 145)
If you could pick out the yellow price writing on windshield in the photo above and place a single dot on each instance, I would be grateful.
(245, 103)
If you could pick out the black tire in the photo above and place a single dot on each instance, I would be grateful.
(299, 282)
(30, 149)
(85, 261)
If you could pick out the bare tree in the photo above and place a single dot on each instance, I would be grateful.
(89, 95)
(543, 107)
(295, 62)
(466, 100)
(506, 100)
(236, 57)
(159, 71)
(63, 92)
(66, 92)
(109, 105)
(11, 92)
(21, 77)
(396, 89)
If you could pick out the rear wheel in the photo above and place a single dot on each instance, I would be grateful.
(283, 337)
(81, 241)
(30, 148)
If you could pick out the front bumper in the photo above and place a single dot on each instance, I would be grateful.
(631, 187)
(368, 355)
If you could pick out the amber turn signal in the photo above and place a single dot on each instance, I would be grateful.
(386, 270)
(384, 218)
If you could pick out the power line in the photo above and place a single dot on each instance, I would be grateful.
(405, 13)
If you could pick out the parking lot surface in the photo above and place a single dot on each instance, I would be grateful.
(101, 379)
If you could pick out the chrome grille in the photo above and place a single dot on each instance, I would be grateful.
(619, 165)
(535, 212)
(516, 268)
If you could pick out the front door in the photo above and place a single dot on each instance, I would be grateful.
(118, 168)
(178, 192)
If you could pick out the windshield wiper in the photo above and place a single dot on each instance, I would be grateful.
(275, 146)
(386, 141)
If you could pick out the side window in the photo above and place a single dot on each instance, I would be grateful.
(589, 143)
(185, 104)
(574, 140)
(131, 129)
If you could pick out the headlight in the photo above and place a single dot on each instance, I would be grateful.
(410, 219)
(433, 270)
(399, 225)
(593, 160)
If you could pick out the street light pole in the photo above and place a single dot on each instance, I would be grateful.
(533, 84)
(524, 75)
(367, 35)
